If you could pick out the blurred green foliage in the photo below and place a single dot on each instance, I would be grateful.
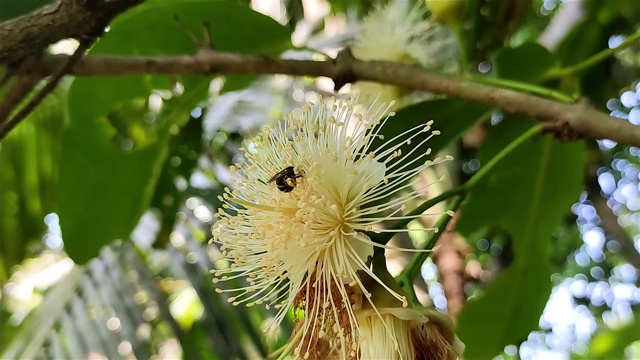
(10, 9)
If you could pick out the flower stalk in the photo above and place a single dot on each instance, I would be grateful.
(405, 279)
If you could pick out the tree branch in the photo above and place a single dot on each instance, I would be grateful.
(609, 220)
(568, 121)
(449, 257)
(16, 93)
(31, 33)
(46, 90)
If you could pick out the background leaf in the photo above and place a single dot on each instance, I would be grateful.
(29, 158)
(543, 179)
(14, 8)
(510, 62)
(163, 298)
(611, 344)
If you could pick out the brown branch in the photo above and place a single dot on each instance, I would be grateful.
(450, 260)
(609, 221)
(569, 120)
(24, 36)
(17, 92)
(611, 226)
(6, 75)
(46, 90)
(31, 33)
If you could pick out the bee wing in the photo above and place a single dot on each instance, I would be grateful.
(277, 175)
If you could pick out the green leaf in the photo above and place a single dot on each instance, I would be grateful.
(612, 343)
(580, 43)
(29, 158)
(185, 148)
(232, 28)
(178, 28)
(527, 195)
(116, 143)
(14, 8)
(527, 62)
(508, 312)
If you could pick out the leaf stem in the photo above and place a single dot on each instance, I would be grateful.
(383, 238)
(462, 51)
(589, 62)
(522, 86)
(405, 279)
(484, 170)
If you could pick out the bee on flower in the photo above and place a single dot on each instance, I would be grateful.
(295, 223)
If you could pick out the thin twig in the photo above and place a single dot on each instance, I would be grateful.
(405, 279)
(18, 91)
(46, 90)
(458, 194)
(6, 75)
(609, 221)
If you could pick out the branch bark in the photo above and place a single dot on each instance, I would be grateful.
(609, 221)
(23, 37)
(569, 121)
(31, 33)
(450, 260)
(7, 126)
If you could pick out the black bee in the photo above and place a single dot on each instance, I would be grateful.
(285, 179)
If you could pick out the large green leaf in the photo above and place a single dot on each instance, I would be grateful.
(184, 150)
(115, 145)
(173, 23)
(527, 195)
(29, 158)
(510, 62)
(167, 27)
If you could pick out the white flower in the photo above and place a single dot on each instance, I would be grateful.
(301, 239)
(399, 32)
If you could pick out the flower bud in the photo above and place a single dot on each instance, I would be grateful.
(436, 339)
(449, 12)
